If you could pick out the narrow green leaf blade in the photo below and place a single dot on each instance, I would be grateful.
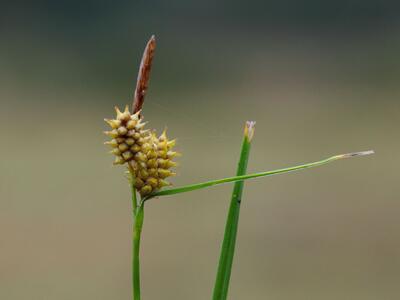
(198, 186)
(228, 245)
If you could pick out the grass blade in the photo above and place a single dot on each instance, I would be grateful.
(228, 245)
(198, 186)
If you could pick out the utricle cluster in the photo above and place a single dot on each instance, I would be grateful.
(148, 157)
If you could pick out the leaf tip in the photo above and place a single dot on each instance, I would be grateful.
(354, 154)
(249, 129)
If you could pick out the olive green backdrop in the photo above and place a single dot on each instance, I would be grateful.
(319, 77)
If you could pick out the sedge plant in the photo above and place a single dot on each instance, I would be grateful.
(149, 160)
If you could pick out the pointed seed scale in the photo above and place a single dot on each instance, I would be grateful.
(118, 112)
(162, 154)
(171, 164)
(133, 164)
(122, 130)
(172, 154)
(135, 116)
(163, 173)
(115, 151)
(146, 148)
(152, 154)
(113, 133)
(152, 181)
(127, 155)
(138, 183)
(162, 145)
(113, 123)
(119, 160)
(131, 124)
(140, 125)
(162, 183)
(162, 162)
(113, 143)
(152, 163)
(163, 136)
(143, 174)
(153, 172)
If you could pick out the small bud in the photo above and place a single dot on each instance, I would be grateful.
(141, 141)
(135, 148)
(123, 147)
(146, 190)
(129, 141)
(120, 140)
(152, 181)
(122, 130)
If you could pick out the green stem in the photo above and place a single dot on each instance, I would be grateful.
(197, 186)
(231, 227)
(138, 215)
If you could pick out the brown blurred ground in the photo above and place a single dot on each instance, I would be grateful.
(327, 233)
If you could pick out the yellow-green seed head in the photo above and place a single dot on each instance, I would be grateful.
(148, 157)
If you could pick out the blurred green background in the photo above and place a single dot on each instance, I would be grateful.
(319, 77)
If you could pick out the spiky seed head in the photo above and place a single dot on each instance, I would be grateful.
(148, 157)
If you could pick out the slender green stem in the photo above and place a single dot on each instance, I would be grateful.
(228, 246)
(138, 215)
(197, 186)
(134, 198)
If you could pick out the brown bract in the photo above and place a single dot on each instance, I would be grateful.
(144, 75)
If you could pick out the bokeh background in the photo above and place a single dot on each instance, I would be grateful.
(319, 77)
